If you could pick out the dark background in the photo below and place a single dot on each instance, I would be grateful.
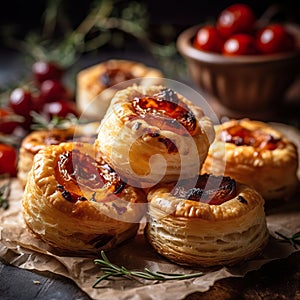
(25, 15)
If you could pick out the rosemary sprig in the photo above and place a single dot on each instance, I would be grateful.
(41, 122)
(294, 240)
(107, 22)
(4, 194)
(12, 140)
(111, 270)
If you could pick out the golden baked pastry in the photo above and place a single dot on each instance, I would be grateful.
(97, 84)
(256, 154)
(152, 134)
(78, 205)
(206, 221)
(37, 140)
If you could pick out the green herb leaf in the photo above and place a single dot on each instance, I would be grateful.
(111, 270)
(294, 240)
(40, 122)
(5, 192)
(107, 22)
(10, 139)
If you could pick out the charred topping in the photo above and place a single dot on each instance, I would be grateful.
(67, 195)
(209, 189)
(165, 111)
(113, 76)
(119, 187)
(76, 170)
(241, 136)
(242, 199)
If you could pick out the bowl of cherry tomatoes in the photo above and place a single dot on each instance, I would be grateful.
(245, 64)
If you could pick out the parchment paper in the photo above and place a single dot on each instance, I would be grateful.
(20, 248)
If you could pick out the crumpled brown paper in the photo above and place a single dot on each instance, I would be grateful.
(20, 248)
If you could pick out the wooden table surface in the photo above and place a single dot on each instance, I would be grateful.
(279, 279)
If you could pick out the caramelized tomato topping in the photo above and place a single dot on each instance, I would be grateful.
(209, 189)
(76, 171)
(114, 76)
(241, 136)
(165, 111)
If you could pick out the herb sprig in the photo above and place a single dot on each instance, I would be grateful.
(40, 122)
(111, 270)
(294, 240)
(4, 194)
(12, 140)
(107, 22)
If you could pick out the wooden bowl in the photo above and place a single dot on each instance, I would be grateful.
(244, 83)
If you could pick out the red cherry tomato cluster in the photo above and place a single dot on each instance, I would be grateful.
(49, 96)
(46, 95)
(235, 33)
(8, 160)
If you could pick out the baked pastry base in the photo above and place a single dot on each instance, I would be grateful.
(194, 233)
(139, 150)
(100, 219)
(273, 173)
(93, 97)
(37, 140)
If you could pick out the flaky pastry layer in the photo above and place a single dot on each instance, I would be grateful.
(77, 227)
(93, 97)
(194, 233)
(37, 140)
(138, 150)
(273, 173)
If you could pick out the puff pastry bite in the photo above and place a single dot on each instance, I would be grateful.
(207, 221)
(256, 154)
(152, 134)
(96, 85)
(78, 205)
(37, 140)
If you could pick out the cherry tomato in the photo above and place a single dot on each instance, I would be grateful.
(52, 90)
(43, 70)
(60, 108)
(240, 44)
(7, 126)
(274, 38)
(208, 38)
(8, 160)
(20, 100)
(38, 103)
(237, 18)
